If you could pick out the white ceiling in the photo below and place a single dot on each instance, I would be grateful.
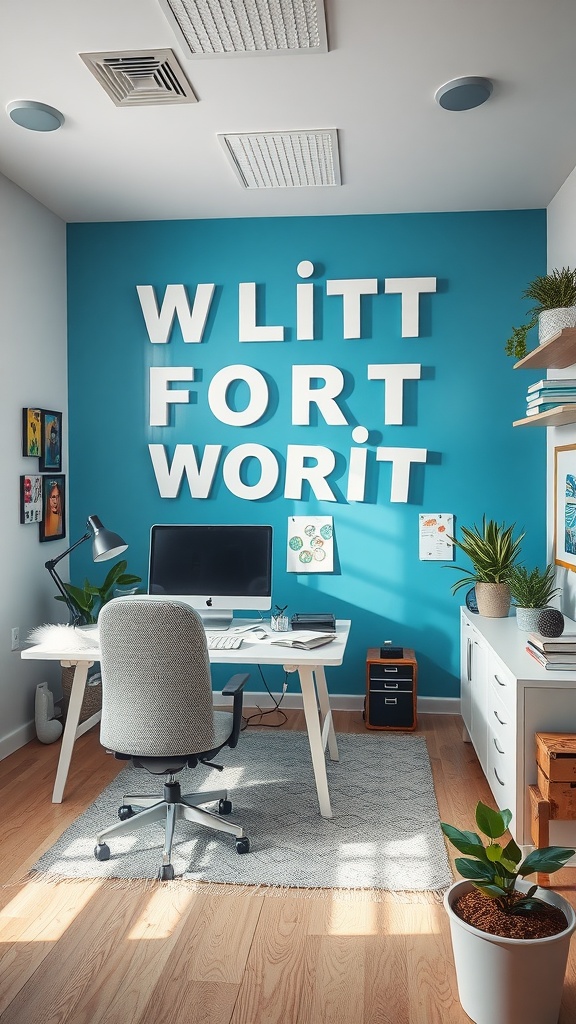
(399, 151)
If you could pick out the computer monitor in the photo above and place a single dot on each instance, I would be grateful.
(216, 569)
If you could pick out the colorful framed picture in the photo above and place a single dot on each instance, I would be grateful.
(31, 498)
(565, 506)
(53, 523)
(31, 432)
(51, 453)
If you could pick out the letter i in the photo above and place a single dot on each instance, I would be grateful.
(357, 466)
(305, 303)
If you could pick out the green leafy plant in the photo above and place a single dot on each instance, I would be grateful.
(550, 291)
(493, 551)
(531, 588)
(89, 599)
(495, 869)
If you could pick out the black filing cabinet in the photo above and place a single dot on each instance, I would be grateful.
(391, 690)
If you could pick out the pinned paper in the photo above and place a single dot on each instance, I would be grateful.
(310, 544)
(436, 529)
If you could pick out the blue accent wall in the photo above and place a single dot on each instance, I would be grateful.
(461, 410)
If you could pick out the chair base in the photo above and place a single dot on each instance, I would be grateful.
(141, 810)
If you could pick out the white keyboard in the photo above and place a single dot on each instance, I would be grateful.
(223, 642)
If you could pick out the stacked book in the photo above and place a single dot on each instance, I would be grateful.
(548, 394)
(557, 653)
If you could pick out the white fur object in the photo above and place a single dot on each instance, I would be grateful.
(61, 637)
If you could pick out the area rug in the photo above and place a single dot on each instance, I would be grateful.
(385, 833)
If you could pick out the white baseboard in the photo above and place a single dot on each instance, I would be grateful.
(19, 738)
(344, 702)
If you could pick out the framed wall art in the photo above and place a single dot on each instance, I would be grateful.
(565, 506)
(53, 523)
(31, 432)
(51, 453)
(31, 498)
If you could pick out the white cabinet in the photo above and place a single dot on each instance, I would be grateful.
(506, 697)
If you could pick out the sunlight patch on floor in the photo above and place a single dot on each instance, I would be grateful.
(163, 912)
(42, 912)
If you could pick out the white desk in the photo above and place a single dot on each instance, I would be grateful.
(309, 665)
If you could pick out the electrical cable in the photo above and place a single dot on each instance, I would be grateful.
(247, 720)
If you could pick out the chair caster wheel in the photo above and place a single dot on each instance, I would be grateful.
(125, 812)
(225, 807)
(166, 873)
(242, 845)
(102, 851)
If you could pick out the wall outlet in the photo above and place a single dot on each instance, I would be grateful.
(15, 638)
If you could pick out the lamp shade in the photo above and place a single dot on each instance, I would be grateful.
(105, 544)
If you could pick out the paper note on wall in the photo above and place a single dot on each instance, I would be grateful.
(436, 529)
(310, 544)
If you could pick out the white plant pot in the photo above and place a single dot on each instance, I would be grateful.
(527, 619)
(509, 981)
(553, 320)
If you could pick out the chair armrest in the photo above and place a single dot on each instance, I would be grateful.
(234, 688)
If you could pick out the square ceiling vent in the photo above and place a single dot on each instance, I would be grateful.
(231, 28)
(138, 78)
(284, 159)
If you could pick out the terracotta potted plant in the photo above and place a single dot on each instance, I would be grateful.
(510, 939)
(493, 551)
(554, 295)
(532, 591)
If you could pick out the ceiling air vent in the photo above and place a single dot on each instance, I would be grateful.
(284, 159)
(137, 78)
(230, 28)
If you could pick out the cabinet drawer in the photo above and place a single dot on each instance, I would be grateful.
(386, 710)
(501, 682)
(501, 775)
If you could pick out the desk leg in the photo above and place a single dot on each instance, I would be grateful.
(324, 701)
(70, 729)
(315, 738)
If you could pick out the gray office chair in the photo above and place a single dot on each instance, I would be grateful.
(157, 711)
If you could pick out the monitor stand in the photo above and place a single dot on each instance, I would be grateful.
(217, 620)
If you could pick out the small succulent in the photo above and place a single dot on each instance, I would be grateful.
(494, 869)
(531, 588)
(556, 290)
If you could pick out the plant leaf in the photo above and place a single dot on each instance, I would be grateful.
(475, 870)
(492, 823)
(547, 860)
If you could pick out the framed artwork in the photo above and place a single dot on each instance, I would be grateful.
(53, 523)
(31, 432)
(51, 453)
(565, 506)
(31, 498)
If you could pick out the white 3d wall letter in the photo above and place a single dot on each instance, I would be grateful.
(394, 374)
(303, 396)
(175, 302)
(161, 397)
(410, 288)
(248, 329)
(401, 459)
(352, 291)
(258, 395)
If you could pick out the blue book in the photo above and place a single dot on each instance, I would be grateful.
(558, 397)
(533, 410)
(559, 382)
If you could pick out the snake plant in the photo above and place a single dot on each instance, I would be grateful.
(493, 551)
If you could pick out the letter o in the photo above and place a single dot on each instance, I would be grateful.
(268, 475)
(257, 403)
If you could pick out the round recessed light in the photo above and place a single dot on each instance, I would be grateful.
(37, 117)
(464, 93)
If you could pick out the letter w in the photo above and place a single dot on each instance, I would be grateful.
(175, 303)
(169, 478)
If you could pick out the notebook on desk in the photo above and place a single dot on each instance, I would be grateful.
(303, 640)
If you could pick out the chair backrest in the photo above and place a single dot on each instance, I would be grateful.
(156, 685)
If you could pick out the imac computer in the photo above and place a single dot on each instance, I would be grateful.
(216, 569)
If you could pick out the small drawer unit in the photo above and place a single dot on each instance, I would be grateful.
(391, 683)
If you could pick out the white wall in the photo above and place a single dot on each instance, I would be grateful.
(561, 253)
(34, 374)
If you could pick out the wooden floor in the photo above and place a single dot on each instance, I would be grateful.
(86, 951)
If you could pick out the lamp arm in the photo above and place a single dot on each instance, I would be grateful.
(51, 564)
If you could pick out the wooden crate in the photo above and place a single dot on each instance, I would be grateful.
(556, 755)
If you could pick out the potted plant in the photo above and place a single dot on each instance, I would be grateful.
(493, 551)
(510, 939)
(555, 298)
(532, 592)
(89, 599)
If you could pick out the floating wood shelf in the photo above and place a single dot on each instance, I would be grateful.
(550, 418)
(555, 354)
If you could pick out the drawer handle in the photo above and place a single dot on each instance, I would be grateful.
(499, 681)
(392, 668)
(498, 719)
(498, 778)
(495, 742)
(391, 686)
(390, 700)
